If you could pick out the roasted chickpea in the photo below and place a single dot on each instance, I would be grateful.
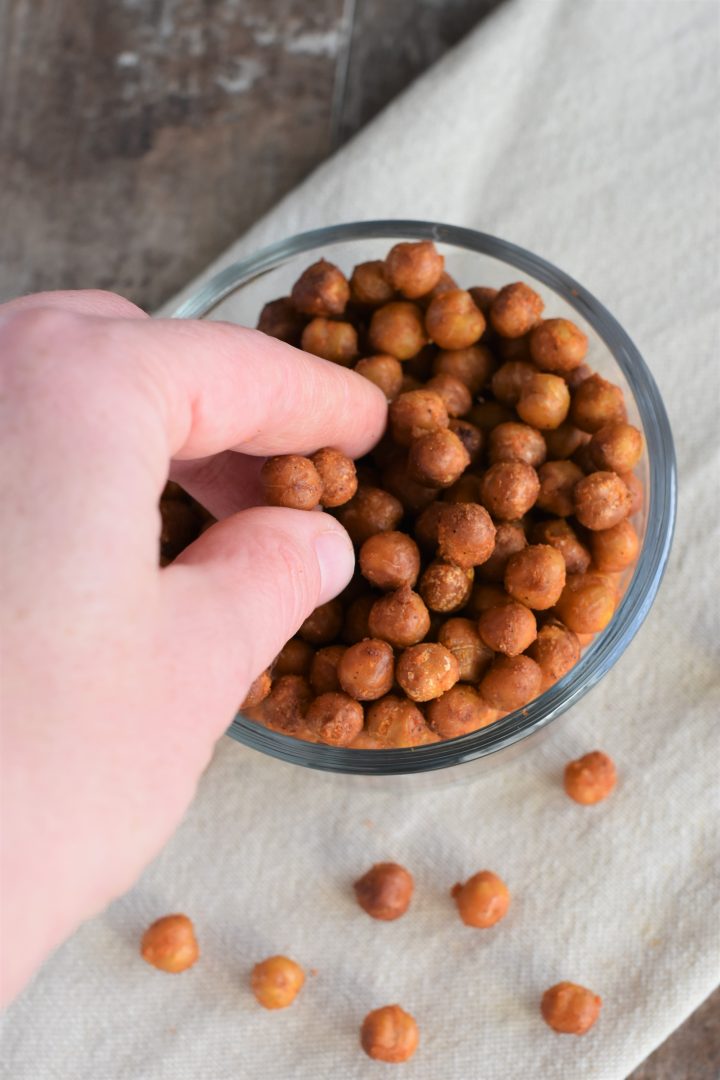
(453, 321)
(488, 414)
(409, 383)
(323, 670)
(276, 982)
(509, 538)
(179, 526)
(515, 310)
(414, 269)
(470, 436)
(596, 402)
(426, 526)
(370, 511)
(484, 596)
(292, 481)
(334, 341)
(294, 658)
(445, 283)
(557, 483)
(398, 329)
(511, 682)
(356, 623)
(338, 476)
(570, 1009)
(558, 345)
(509, 489)
(170, 944)
(459, 711)
(323, 625)
(601, 500)
(583, 460)
(322, 289)
(462, 639)
(616, 548)
(385, 891)
(259, 690)
(616, 447)
(637, 494)
(578, 375)
(383, 370)
(389, 560)
(587, 603)
(454, 392)
(416, 413)
(366, 671)
(466, 489)
(509, 381)
(483, 900)
(466, 534)
(445, 587)
(560, 535)
(426, 671)
(535, 576)
(555, 650)
(517, 442)
(413, 495)
(508, 628)
(395, 722)
(591, 778)
(400, 618)
(437, 459)
(389, 1034)
(544, 401)
(281, 319)
(366, 741)
(369, 285)
(563, 441)
(483, 297)
(514, 349)
(473, 366)
(285, 706)
(335, 719)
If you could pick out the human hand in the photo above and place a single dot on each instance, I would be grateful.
(119, 676)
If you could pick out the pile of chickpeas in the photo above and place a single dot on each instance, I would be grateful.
(492, 522)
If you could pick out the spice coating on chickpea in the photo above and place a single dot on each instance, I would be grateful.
(398, 329)
(371, 510)
(557, 483)
(486, 595)
(169, 944)
(587, 603)
(287, 703)
(483, 297)
(473, 366)
(259, 690)
(454, 392)
(416, 413)
(516, 442)
(601, 500)
(389, 560)
(616, 447)
(558, 345)
(470, 436)
(414, 269)
(483, 900)
(400, 618)
(323, 624)
(366, 671)
(335, 718)
(509, 489)
(291, 481)
(511, 682)
(331, 340)
(294, 658)
(570, 1009)
(437, 459)
(508, 628)
(281, 319)
(323, 670)
(637, 493)
(536, 576)
(389, 1034)
(596, 402)
(445, 587)
(322, 289)
(509, 380)
(337, 475)
(591, 778)
(276, 982)
(453, 321)
(515, 310)
(426, 671)
(563, 441)
(459, 711)
(466, 534)
(385, 891)
(555, 650)
(369, 285)
(509, 538)
(544, 401)
(395, 722)
(461, 637)
(616, 548)
(383, 370)
(559, 534)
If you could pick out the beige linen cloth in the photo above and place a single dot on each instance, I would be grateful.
(587, 132)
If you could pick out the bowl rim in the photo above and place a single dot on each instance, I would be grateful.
(634, 606)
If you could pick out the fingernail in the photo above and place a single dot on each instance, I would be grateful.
(336, 560)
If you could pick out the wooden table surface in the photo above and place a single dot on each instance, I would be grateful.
(139, 138)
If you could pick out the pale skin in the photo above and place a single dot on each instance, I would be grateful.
(118, 677)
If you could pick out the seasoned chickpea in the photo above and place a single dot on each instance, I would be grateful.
(426, 526)
(558, 345)
(517, 442)
(466, 534)
(616, 447)
(369, 285)
(389, 560)
(371, 510)
(484, 596)
(426, 671)
(536, 576)
(453, 321)
(555, 650)
(515, 310)
(570, 1009)
(398, 329)
(462, 639)
(509, 489)
(587, 603)
(470, 436)
(483, 296)
(385, 891)
(416, 413)
(557, 483)
(322, 289)
(596, 402)
(170, 944)
(383, 370)
(259, 690)
(509, 538)
(579, 375)
(294, 658)
(366, 741)
(413, 495)
(473, 366)
(276, 982)
(285, 706)
(561, 535)
(322, 625)
(334, 341)
(591, 778)
(414, 269)
(616, 548)
(637, 494)
(323, 670)
(454, 392)
(356, 623)
(466, 489)
(400, 618)
(459, 711)
(445, 587)
(437, 459)
(445, 283)
(508, 628)
(488, 414)
(337, 474)
(292, 481)
(366, 671)
(281, 319)
(544, 401)
(389, 1034)
(335, 719)
(601, 500)
(483, 900)
(511, 682)
(509, 381)
(563, 441)
(395, 722)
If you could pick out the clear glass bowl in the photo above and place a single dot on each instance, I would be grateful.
(238, 293)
